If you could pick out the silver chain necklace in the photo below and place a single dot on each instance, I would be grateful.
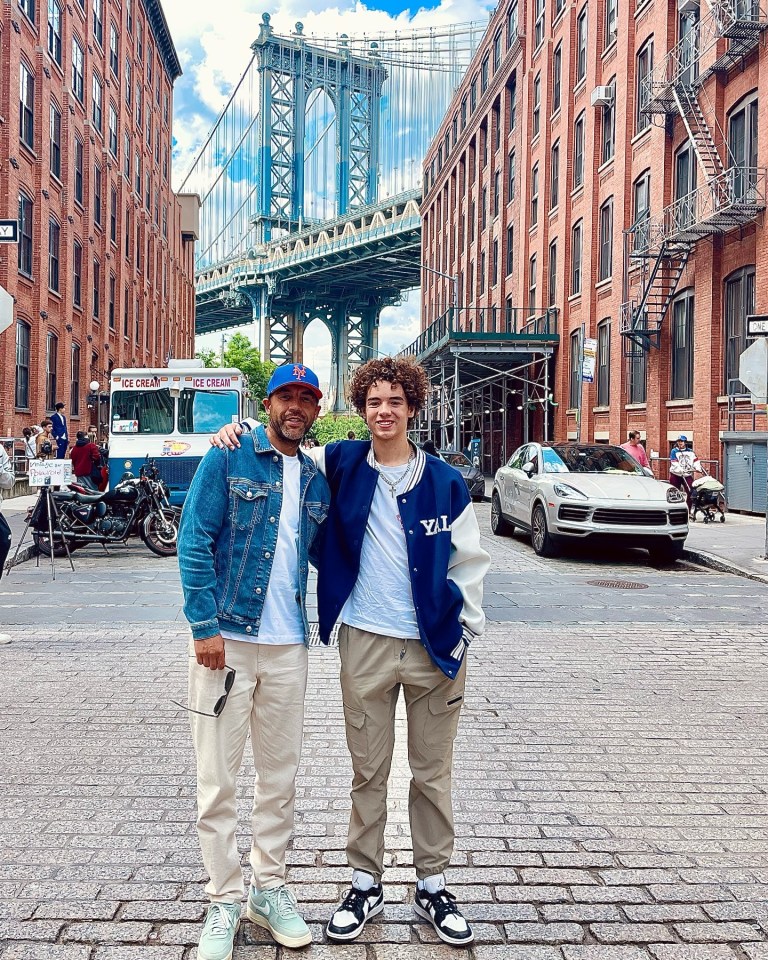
(394, 484)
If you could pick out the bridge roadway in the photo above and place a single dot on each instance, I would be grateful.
(368, 257)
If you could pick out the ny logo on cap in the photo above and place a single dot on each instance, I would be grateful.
(299, 372)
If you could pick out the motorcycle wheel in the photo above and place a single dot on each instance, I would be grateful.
(159, 540)
(42, 542)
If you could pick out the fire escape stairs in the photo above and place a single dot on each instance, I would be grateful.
(642, 320)
(698, 131)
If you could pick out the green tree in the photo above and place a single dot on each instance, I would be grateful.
(209, 357)
(241, 353)
(336, 427)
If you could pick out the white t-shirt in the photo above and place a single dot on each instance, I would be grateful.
(381, 600)
(281, 620)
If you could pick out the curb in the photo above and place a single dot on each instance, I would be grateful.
(713, 562)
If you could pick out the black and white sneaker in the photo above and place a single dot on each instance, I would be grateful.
(354, 911)
(441, 911)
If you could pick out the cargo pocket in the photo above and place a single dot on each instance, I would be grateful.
(442, 719)
(357, 735)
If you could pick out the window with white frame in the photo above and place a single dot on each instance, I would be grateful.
(557, 76)
(576, 243)
(538, 28)
(605, 267)
(681, 387)
(54, 30)
(642, 211)
(554, 176)
(534, 195)
(536, 120)
(609, 124)
(77, 70)
(611, 21)
(604, 363)
(742, 147)
(578, 151)
(581, 45)
(643, 78)
(26, 106)
(552, 274)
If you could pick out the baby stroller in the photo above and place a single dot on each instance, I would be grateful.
(707, 497)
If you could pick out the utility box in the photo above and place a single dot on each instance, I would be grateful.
(746, 470)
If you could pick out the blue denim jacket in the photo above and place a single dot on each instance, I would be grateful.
(228, 534)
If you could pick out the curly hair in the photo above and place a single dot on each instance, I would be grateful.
(404, 370)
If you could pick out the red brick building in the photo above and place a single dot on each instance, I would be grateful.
(608, 160)
(103, 272)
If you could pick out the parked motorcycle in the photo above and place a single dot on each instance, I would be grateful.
(137, 506)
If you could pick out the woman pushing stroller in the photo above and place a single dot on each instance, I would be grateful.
(683, 464)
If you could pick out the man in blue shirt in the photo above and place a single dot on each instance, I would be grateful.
(60, 434)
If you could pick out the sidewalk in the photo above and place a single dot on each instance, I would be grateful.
(15, 512)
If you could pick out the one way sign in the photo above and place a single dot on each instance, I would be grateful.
(9, 231)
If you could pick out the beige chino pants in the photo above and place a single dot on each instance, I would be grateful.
(267, 698)
(373, 669)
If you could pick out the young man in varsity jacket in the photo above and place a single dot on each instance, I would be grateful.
(401, 568)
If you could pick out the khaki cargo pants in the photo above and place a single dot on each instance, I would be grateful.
(373, 669)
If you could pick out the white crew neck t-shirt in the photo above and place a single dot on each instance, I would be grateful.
(281, 620)
(381, 600)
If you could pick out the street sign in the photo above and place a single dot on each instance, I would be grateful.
(753, 370)
(757, 325)
(9, 231)
(589, 360)
(6, 309)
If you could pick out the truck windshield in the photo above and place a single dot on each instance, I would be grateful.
(206, 411)
(146, 411)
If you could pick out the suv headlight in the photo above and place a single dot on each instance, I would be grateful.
(565, 490)
(674, 495)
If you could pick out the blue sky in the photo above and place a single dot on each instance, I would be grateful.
(213, 43)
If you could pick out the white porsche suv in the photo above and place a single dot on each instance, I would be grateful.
(587, 491)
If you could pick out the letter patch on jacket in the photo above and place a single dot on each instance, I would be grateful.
(438, 525)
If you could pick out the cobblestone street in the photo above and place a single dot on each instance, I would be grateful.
(611, 789)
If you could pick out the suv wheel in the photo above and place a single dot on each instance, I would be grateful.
(543, 544)
(500, 526)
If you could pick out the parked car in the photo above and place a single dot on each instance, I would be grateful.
(582, 491)
(473, 475)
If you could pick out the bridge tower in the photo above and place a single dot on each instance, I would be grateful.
(289, 70)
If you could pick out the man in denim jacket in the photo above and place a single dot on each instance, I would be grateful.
(249, 528)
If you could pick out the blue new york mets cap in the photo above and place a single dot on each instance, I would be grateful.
(290, 373)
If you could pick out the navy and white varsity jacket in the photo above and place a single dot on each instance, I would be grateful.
(445, 559)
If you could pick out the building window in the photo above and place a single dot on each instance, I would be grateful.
(112, 292)
(511, 176)
(150, 59)
(510, 249)
(27, 7)
(127, 156)
(98, 23)
(473, 95)
(684, 209)
(128, 81)
(97, 195)
(576, 258)
(637, 372)
(496, 51)
(578, 151)
(682, 347)
(139, 105)
(557, 77)
(559, 7)
(78, 170)
(609, 125)
(55, 141)
(77, 70)
(126, 313)
(137, 173)
(496, 192)
(532, 284)
(535, 195)
(51, 361)
(495, 264)
(97, 110)
(25, 235)
(113, 214)
(23, 336)
(484, 74)
(127, 234)
(538, 29)
(512, 92)
(611, 21)
(165, 220)
(114, 49)
(642, 93)
(129, 15)
(581, 45)
(74, 388)
(552, 273)
(604, 363)
(482, 272)
(54, 243)
(554, 191)
(536, 124)
(96, 289)
(26, 106)
(464, 113)
(574, 393)
(739, 301)
(77, 274)
(484, 211)
(113, 130)
(54, 30)
(512, 25)
(605, 269)
(642, 211)
(742, 147)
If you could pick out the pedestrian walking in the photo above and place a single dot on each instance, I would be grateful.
(60, 432)
(7, 480)
(635, 449)
(683, 464)
(45, 442)
(401, 568)
(86, 461)
(248, 530)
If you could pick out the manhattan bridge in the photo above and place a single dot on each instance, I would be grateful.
(310, 186)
